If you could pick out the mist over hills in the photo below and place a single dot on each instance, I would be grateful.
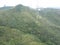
(23, 25)
(6, 7)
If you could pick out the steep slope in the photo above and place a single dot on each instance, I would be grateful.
(26, 23)
(52, 18)
(22, 19)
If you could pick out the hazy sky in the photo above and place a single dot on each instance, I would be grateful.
(31, 3)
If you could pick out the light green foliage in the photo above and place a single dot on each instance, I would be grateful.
(15, 37)
(22, 25)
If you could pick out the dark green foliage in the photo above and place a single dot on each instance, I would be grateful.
(22, 25)
(51, 15)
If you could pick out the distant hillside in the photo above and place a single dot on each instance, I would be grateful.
(6, 8)
(52, 15)
(23, 25)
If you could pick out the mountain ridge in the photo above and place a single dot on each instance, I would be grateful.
(26, 26)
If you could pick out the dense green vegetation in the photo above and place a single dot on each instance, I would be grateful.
(22, 25)
(52, 15)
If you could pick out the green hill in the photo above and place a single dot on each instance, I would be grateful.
(52, 15)
(22, 25)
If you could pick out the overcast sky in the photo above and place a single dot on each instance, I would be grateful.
(31, 3)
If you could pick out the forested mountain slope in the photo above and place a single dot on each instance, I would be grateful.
(52, 15)
(22, 25)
